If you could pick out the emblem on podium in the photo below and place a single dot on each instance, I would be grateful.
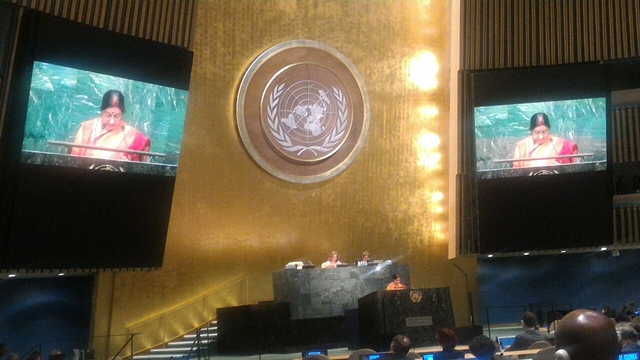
(415, 295)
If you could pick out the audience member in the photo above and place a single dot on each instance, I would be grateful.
(400, 346)
(55, 354)
(13, 356)
(635, 324)
(630, 310)
(608, 312)
(586, 335)
(448, 340)
(34, 355)
(628, 338)
(3, 350)
(530, 334)
(483, 348)
(622, 318)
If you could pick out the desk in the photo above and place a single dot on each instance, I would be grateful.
(316, 293)
(513, 355)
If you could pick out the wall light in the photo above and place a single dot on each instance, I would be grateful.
(423, 71)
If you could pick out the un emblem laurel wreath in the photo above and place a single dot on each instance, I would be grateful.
(284, 139)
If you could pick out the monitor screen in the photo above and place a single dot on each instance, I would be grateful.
(505, 341)
(375, 356)
(520, 139)
(67, 107)
(314, 352)
(427, 356)
(629, 356)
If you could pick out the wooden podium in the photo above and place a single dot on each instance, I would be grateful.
(416, 313)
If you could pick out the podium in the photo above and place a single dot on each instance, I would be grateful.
(321, 293)
(416, 313)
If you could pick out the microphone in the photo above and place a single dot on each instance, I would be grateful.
(124, 137)
(556, 161)
(554, 145)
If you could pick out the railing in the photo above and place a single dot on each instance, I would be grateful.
(187, 317)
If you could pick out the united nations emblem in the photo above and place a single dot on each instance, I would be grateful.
(302, 111)
(106, 167)
(415, 295)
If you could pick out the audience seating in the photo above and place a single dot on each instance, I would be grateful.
(317, 357)
(540, 345)
(548, 353)
(356, 354)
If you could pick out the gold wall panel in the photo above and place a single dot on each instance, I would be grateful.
(166, 21)
(232, 219)
(507, 33)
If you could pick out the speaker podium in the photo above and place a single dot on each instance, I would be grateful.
(416, 313)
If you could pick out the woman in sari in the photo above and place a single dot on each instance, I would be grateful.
(542, 149)
(108, 133)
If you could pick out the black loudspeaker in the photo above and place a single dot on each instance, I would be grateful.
(8, 13)
(466, 333)
(253, 329)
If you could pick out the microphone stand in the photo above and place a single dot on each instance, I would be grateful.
(469, 298)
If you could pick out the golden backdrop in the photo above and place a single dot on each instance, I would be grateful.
(231, 219)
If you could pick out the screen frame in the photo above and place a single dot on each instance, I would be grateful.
(492, 230)
(55, 217)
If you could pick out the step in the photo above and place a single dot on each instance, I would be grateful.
(208, 335)
(182, 343)
(171, 350)
(187, 344)
(166, 356)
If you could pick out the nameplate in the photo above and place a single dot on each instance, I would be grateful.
(419, 321)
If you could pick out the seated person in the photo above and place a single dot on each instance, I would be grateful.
(608, 311)
(332, 262)
(586, 335)
(400, 346)
(483, 348)
(109, 131)
(541, 147)
(628, 338)
(396, 283)
(34, 355)
(364, 259)
(448, 340)
(630, 310)
(530, 334)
